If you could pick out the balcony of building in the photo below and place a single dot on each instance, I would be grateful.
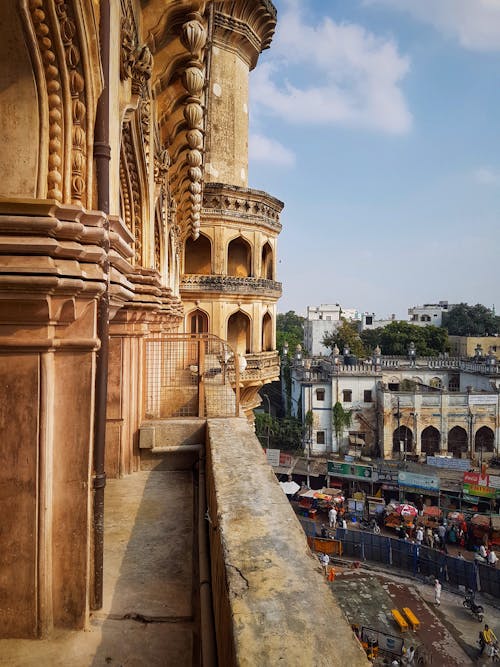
(218, 284)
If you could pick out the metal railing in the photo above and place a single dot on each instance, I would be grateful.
(190, 375)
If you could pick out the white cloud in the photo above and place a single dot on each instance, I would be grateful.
(263, 149)
(487, 176)
(352, 77)
(474, 23)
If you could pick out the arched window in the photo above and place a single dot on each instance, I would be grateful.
(239, 258)
(430, 440)
(402, 440)
(267, 262)
(198, 256)
(267, 333)
(484, 440)
(457, 441)
(238, 332)
(436, 383)
(197, 322)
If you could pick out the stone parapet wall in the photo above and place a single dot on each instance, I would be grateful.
(271, 601)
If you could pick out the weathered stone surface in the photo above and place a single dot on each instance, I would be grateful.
(278, 606)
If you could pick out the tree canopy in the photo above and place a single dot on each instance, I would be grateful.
(289, 328)
(465, 320)
(346, 335)
(286, 434)
(396, 337)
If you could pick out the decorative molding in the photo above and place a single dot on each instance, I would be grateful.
(231, 285)
(254, 206)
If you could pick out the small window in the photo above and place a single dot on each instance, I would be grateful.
(320, 437)
(369, 320)
(367, 396)
(347, 394)
(320, 394)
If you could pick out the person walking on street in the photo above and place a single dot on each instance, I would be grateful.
(419, 536)
(492, 558)
(437, 591)
(325, 561)
(410, 656)
(332, 517)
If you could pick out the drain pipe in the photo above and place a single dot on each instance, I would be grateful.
(102, 155)
(208, 643)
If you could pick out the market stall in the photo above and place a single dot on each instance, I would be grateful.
(480, 529)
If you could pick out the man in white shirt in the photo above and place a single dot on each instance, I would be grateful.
(419, 535)
(332, 517)
(492, 558)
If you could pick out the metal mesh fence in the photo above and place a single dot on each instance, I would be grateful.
(189, 376)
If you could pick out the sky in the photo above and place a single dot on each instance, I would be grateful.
(377, 122)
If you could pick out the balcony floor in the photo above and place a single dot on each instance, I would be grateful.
(148, 616)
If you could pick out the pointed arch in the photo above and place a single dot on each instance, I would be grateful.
(457, 441)
(430, 440)
(484, 440)
(238, 332)
(402, 440)
(198, 255)
(267, 263)
(239, 258)
(267, 333)
(197, 322)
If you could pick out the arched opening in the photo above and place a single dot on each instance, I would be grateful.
(197, 322)
(198, 256)
(238, 332)
(457, 441)
(267, 262)
(267, 333)
(402, 440)
(239, 258)
(430, 440)
(436, 383)
(484, 440)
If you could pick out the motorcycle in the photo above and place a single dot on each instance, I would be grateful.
(469, 603)
(370, 525)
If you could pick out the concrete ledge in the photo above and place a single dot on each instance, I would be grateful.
(165, 433)
(272, 603)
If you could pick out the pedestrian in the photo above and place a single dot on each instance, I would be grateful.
(344, 523)
(325, 561)
(442, 532)
(410, 656)
(324, 532)
(419, 535)
(437, 591)
(459, 555)
(482, 552)
(332, 517)
(430, 537)
(492, 558)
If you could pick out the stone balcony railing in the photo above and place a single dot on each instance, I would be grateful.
(233, 203)
(230, 285)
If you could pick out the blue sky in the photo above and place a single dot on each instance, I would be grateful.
(377, 122)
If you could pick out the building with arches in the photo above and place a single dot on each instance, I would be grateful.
(402, 408)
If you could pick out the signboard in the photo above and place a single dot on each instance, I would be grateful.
(412, 480)
(476, 478)
(479, 491)
(273, 457)
(495, 481)
(484, 399)
(451, 463)
(349, 470)
(384, 641)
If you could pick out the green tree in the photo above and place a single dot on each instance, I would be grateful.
(465, 320)
(396, 337)
(341, 419)
(286, 434)
(346, 335)
(289, 328)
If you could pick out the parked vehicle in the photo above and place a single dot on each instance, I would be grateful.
(469, 603)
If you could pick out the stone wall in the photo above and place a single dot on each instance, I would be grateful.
(271, 601)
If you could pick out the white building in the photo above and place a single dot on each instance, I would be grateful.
(369, 321)
(323, 320)
(429, 313)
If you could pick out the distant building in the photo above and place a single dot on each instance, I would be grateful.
(429, 313)
(475, 346)
(369, 321)
(323, 320)
(427, 406)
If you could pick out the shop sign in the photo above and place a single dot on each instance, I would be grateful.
(349, 470)
(479, 491)
(476, 478)
(273, 457)
(495, 481)
(386, 476)
(449, 462)
(409, 479)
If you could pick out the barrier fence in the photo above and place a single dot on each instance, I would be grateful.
(420, 561)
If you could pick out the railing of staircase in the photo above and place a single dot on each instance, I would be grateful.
(190, 375)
